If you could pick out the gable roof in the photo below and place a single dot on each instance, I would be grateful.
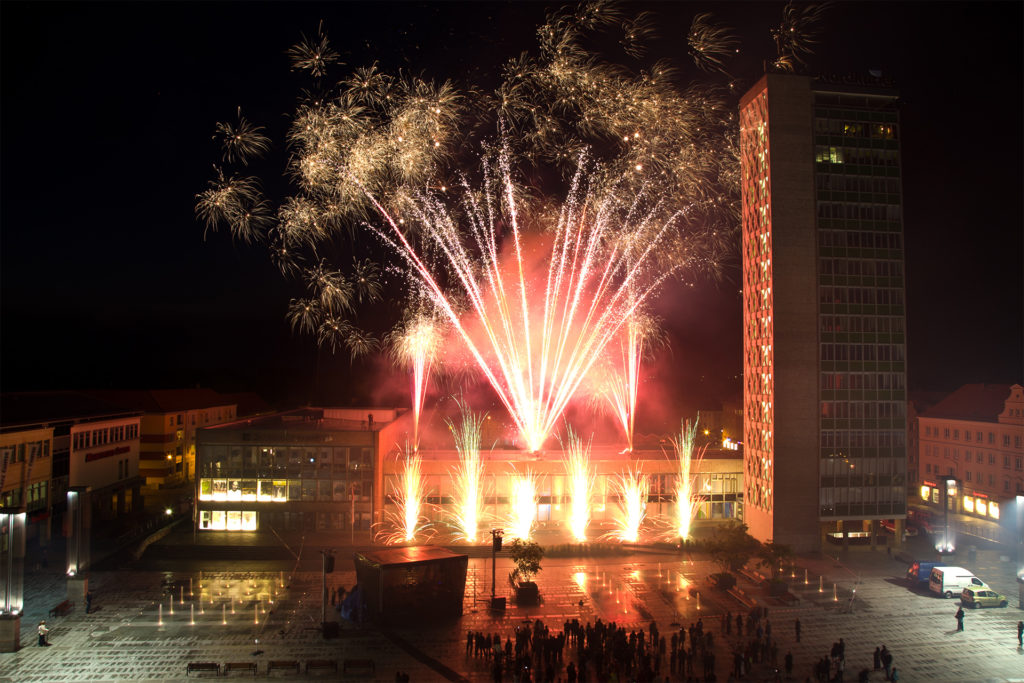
(975, 402)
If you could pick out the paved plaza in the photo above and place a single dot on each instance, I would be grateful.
(249, 610)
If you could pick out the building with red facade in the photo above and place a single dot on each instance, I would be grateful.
(824, 347)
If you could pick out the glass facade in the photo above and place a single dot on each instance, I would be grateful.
(277, 475)
(861, 306)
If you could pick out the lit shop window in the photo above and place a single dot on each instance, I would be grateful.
(968, 503)
(924, 492)
(993, 510)
(981, 506)
(262, 490)
(228, 520)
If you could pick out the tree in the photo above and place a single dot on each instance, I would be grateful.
(732, 547)
(526, 556)
(772, 555)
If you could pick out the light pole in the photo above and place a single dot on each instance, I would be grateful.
(496, 535)
(948, 489)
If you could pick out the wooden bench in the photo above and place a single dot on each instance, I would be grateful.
(282, 664)
(359, 665)
(62, 609)
(322, 665)
(744, 599)
(203, 666)
(240, 666)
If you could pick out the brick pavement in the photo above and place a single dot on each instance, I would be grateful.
(124, 639)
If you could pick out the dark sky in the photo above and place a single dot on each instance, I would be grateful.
(106, 118)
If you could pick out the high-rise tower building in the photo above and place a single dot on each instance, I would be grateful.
(823, 310)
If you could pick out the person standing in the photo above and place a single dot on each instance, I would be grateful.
(42, 630)
(960, 619)
(797, 626)
(88, 601)
(886, 661)
(878, 658)
(1020, 634)
(895, 675)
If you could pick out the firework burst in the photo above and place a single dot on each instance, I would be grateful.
(631, 488)
(688, 498)
(535, 337)
(467, 476)
(580, 475)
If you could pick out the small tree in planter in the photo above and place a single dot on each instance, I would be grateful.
(772, 555)
(731, 547)
(526, 556)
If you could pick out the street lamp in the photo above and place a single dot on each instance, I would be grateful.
(496, 535)
(948, 490)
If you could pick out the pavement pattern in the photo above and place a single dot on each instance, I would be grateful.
(132, 634)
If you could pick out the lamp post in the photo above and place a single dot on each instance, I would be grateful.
(948, 489)
(496, 535)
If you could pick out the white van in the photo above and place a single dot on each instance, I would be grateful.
(950, 581)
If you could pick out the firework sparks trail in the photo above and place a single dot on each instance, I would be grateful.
(631, 488)
(407, 522)
(523, 505)
(467, 476)
(536, 350)
(621, 388)
(415, 345)
(576, 457)
(688, 499)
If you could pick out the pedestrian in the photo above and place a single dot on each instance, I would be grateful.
(42, 633)
(878, 659)
(88, 601)
(798, 631)
(789, 664)
(1020, 634)
(960, 619)
(895, 675)
(886, 662)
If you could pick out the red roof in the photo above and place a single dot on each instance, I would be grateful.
(974, 402)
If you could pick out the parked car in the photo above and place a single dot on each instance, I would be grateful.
(982, 597)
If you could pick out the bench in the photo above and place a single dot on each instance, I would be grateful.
(240, 666)
(322, 665)
(744, 599)
(281, 664)
(203, 666)
(62, 609)
(359, 665)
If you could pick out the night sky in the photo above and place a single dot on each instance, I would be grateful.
(107, 115)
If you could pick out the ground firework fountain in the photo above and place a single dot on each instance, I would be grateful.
(576, 457)
(408, 521)
(467, 476)
(688, 499)
(631, 488)
(523, 503)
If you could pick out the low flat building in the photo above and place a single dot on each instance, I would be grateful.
(314, 469)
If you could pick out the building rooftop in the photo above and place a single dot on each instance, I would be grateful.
(975, 402)
(23, 409)
(165, 400)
